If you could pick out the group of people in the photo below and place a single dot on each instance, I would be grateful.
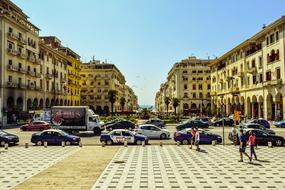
(243, 144)
(195, 138)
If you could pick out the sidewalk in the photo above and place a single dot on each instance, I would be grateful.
(78, 171)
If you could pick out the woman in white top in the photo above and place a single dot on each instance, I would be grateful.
(197, 138)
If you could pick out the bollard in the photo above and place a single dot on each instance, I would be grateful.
(214, 142)
(143, 143)
(26, 145)
(270, 144)
(160, 143)
(178, 143)
(62, 143)
(103, 144)
(80, 144)
(45, 144)
(6, 146)
(125, 143)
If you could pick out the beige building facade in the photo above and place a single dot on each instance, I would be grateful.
(250, 77)
(189, 81)
(97, 79)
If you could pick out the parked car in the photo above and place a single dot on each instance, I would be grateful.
(123, 124)
(262, 137)
(191, 124)
(157, 122)
(205, 119)
(35, 126)
(257, 126)
(118, 136)
(152, 131)
(224, 121)
(279, 124)
(185, 136)
(8, 138)
(55, 137)
(263, 122)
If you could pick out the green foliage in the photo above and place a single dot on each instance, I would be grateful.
(175, 103)
(144, 114)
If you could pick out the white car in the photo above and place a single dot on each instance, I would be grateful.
(152, 131)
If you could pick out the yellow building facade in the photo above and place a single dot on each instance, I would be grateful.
(250, 77)
(189, 81)
(96, 80)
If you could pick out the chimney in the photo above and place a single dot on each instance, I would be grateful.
(264, 26)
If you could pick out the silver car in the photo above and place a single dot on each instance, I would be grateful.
(152, 131)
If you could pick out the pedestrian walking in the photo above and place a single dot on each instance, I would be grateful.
(193, 137)
(251, 142)
(242, 146)
(197, 138)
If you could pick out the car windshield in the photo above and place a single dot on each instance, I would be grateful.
(3, 133)
(183, 131)
(63, 133)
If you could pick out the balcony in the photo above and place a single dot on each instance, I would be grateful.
(234, 90)
(12, 35)
(31, 86)
(240, 74)
(22, 40)
(11, 68)
(221, 80)
(22, 70)
(31, 59)
(22, 55)
(11, 84)
(22, 86)
(38, 61)
(63, 80)
(31, 73)
(38, 88)
(252, 70)
(39, 75)
(12, 51)
(49, 76)
(213, 93)
(84, 93)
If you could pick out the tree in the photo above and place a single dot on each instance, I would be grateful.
(112, 95)
(167, 102)
(122, 103)
(175, 103)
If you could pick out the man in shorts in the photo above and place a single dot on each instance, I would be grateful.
(193, 137)
(242, 146)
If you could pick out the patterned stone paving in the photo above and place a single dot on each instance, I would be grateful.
(17, 164)
(173, 167)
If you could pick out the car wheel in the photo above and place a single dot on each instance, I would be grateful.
(278, 142)
(67, 143)
(39, 143)
(97, 131)
(138, 142)
(109, 142)
(185, 142)
(163, 136)
(2, 143)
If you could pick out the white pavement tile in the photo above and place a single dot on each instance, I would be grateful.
(17, 164)
(173, 167)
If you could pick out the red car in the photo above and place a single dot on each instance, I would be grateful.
(35, 126)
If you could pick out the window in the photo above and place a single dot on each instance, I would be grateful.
(260, 61)
(185, 72)
(194, 87)
(20, 65)
(194, 95)
(10, 30)
(29, 68)
(267, 40)
(268, 75)
(209, 87)
(277, 36)
(278, 73)
(271, 38)
(185, 95)
(10, 62)
(200, 87)
(200, 95)
(254, 79)
(253, 63)
(10, 79)
(260, 77)
(185, 86)
(20, 80)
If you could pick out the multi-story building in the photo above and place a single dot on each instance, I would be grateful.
(189, 81)
(250, 77)
(21, 69)
(97, 79)
(131, 100)
(62, 68)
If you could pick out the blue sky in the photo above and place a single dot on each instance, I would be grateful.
(144, 38)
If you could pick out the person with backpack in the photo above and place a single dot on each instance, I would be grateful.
(252, 143)
(242, 147)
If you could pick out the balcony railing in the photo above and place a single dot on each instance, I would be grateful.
(12, 35)
(49, 76)
(22, 55)
(11, 84)
(31, 59)
(23, 86)
(252, 70)
(39, 75)
(12, 51)
(22, 70)
(32, 73)
(31, 86)
(22, 40)
(11, 68)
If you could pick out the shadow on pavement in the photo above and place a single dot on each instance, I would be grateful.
(203, 151)
(254, 163)
(264, 161)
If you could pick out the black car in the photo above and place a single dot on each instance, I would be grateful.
(224, 121)
(262, 122)
(157, 122)
(191, 124)
(55, 137)
(124, 124)
(8, 138)
(262, 137)
(257, 126)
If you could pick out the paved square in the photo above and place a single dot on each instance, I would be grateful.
(18, 163)
(173, 167)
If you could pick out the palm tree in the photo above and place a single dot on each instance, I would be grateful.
(112, 95)
(122, 102)
(175, 103)
(167, 102)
